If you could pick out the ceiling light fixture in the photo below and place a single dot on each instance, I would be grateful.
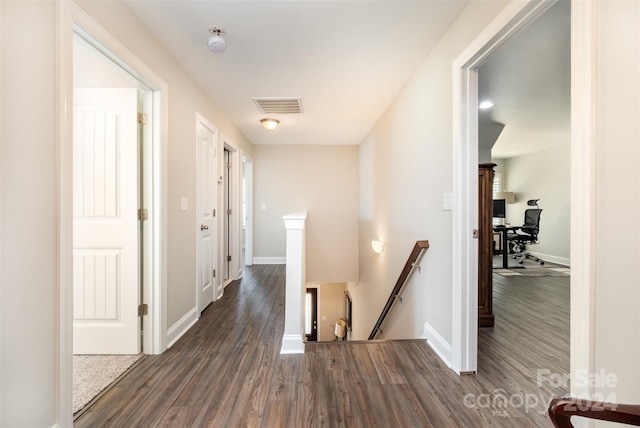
(216, 42)
(485, 105)
(269, 124)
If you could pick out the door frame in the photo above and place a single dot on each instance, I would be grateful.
(72, 19)
(516, 15)
(235, 222)
(315, 299)
(217, 288)
(248, 244)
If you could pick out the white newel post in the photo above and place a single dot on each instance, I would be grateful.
(292, 342)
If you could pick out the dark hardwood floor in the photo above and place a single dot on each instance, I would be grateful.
(227, 370)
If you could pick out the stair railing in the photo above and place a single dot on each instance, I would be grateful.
(418, 249)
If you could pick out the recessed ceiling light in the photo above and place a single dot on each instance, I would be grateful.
(485, 105)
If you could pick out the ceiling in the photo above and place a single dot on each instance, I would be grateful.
(346, 60)
(529, 81)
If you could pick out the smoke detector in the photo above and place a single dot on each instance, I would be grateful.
(216, 43)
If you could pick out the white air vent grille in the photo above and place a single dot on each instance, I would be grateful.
(279, 105)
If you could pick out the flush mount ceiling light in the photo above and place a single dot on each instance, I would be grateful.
(485, 105)
(269, 124)
(216, 42)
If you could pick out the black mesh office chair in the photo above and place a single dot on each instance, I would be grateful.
(527, 233)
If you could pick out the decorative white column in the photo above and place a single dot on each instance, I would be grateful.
(292, 341)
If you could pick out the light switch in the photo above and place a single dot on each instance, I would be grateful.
(324, 318)
(184, 204)
(263, 206)
(447, 202)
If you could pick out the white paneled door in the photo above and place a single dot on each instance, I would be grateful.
(206, 215)
(105, 228)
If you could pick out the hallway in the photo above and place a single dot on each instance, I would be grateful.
(227, 372)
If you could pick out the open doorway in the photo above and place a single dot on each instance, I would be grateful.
(514, 19)
(149, 189)
(233, 215)
(109, 119)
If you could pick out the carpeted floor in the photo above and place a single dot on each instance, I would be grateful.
(93, 373)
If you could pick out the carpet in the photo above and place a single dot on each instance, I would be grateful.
(93, 373)
(529, 268)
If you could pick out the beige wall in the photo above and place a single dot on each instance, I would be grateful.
(322, 180)
(405, 168)
(29, 265)
(330, 307)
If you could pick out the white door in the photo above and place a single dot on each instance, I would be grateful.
(205, 216)
(105, 225)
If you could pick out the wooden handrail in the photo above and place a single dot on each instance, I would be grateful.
(562, 409)
(395, 293)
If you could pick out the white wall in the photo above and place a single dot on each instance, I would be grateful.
(543, 175)
(321, 180)
(405, 168)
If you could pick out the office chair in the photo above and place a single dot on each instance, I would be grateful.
(529, 233)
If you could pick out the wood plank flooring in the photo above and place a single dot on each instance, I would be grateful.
(227, 370)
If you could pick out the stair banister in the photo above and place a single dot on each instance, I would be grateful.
(418, 249)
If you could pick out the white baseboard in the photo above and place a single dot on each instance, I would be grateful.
(269, 260)
(552, 259)
(292, 344)
(438, 344)
(183, 325)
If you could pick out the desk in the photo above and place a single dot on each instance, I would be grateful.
(504, 230)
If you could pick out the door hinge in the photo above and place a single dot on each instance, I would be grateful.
(228, 165)
(228, 258)
(142, 119)
(143, 309)
(214, 212)
(143, 214)
(229, 211)
(214, 273)
(475, 234)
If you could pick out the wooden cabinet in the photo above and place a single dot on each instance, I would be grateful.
(485, 245)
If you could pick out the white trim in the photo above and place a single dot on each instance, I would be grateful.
(248, 244)
(269, 260)
(516, 15)
(183, 325)
(235, 224)
(583, 185)
(439, 345)
(292, 344)
(70, 20)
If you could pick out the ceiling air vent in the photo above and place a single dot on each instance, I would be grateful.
(279, 105)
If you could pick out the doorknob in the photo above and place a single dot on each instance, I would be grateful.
(204, 227)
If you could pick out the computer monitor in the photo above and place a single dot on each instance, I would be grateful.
(499, 208)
